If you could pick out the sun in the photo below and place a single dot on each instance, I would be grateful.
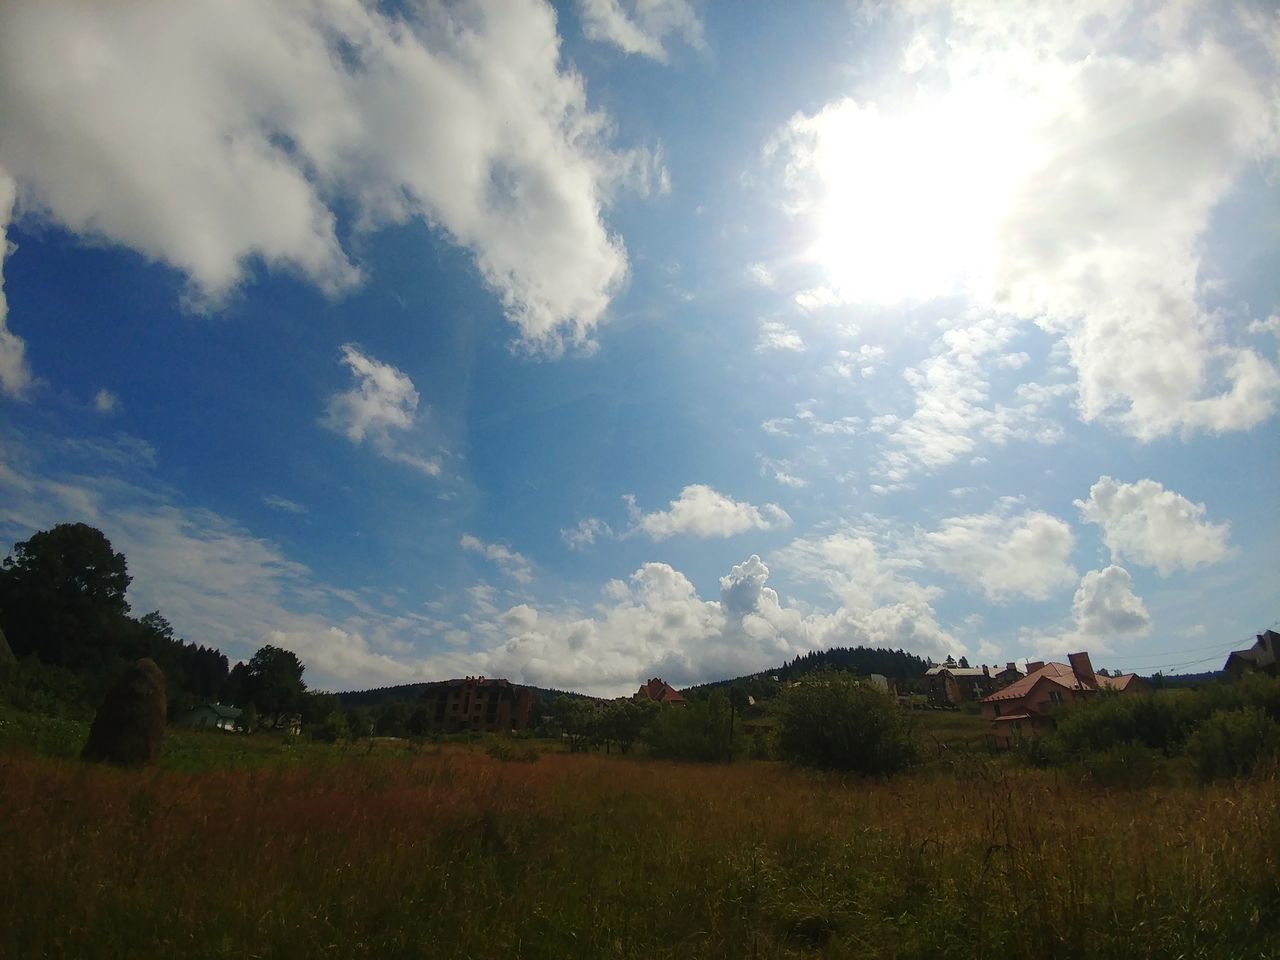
(908, 206)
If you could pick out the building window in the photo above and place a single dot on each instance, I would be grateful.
(1055, 698)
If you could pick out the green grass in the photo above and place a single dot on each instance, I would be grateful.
(256, 847)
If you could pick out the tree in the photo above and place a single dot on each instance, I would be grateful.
(275, 683)
(358, 723)
(833, 721)
(576, 718)
(624, 721)
(249, 719)
(62, 593)
(393, 720)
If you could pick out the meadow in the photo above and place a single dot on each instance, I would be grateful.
(258, 847)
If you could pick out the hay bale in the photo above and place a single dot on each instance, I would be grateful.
(129, 725)
(6, 653)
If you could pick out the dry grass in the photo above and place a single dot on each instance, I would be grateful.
(453, 853)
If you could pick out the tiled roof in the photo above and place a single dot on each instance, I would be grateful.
(659, 690)
(1058, 673)
(1117, 683)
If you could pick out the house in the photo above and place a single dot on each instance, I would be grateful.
(1262, 656)
(950, 685)
(212, 716)
(1029, 705)
(476, 703)
(1010, 674)
(659, 691)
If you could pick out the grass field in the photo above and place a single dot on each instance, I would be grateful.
(240, 847)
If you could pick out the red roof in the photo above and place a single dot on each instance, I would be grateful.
(1118, 683)
(660, 691)
(1058, 673)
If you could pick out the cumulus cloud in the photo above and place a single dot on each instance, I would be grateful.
(1104, 612)
(513, 564)
(15, 375)
(702, 512)
(382, 401)
(1004, 553)
(1049, 167)
(880, 605)
(1155, 527)
(641, 26)
(217, 134)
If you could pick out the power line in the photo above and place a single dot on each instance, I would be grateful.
(1235, 644)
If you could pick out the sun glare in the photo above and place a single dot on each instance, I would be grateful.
(910, 203)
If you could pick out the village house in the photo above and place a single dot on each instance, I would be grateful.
(477, 703)
(659, 691)
(1029, 705)
(1262, 656)
(213, 716)
(950, 685)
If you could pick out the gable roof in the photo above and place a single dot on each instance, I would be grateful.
(955, 672)
(1058, 673)
(1118, 683)
(659, 691)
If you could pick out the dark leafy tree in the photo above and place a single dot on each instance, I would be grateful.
(275, 684)
(62, 596)
(833, 721)
(393, 720)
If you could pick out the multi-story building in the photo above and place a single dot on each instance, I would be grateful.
(477, 703)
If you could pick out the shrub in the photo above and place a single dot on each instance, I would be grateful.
(1234, 743)
(701, 731)
(832, 721)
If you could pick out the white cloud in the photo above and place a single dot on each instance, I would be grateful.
(1104, 611)
(276, 502)
(383, 400)
(106, 402)
(586, 533)
(513, 564)
(879, 604)
(641, 26)
(221, 132)
(702, 512)
(1105, 606)
(1048, 166)
(15, 375)
(762, 275)
(954, 410)
(1005, 554)
(778, 336)
(1148, 524)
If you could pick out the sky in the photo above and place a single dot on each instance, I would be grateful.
(589, 342)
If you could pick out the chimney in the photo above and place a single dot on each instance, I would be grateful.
(1011, 667)
(986, 671)
(1034, 665)
(1083, 669)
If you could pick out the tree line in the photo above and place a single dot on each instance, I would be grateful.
(66, 619)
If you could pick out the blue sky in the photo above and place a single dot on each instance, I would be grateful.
(584, 343)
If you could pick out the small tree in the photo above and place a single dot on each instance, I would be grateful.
(833, 721)
(249, 719)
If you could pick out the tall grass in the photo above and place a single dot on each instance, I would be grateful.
(454, 853)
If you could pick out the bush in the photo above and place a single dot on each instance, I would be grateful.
(834, 722)
(1234, 743)
(701, 731)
